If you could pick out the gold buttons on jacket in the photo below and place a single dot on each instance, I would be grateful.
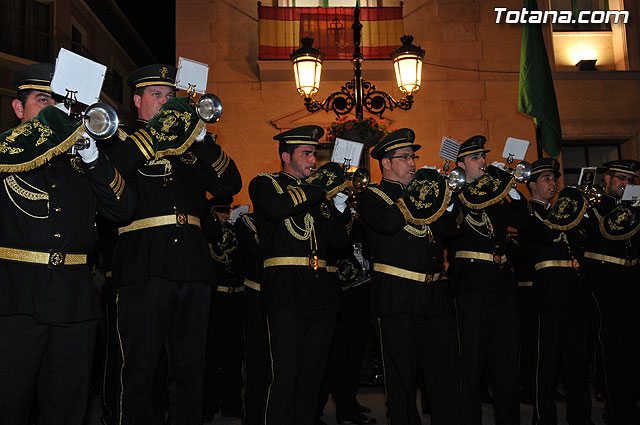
(57, 235)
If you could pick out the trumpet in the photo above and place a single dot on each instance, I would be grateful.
(357, 180)
(208, 107)
(99, 120)
(521, 172)
(456, 179)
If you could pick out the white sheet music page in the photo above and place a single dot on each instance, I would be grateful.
(347, 149)
(631, 193)
(78, 75)
(192, 73)
(449, 149)
(515, 147)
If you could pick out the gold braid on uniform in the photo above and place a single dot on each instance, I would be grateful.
(38, 195)
(251, 225)
(309, 231)
(381, 194)
(476, 225)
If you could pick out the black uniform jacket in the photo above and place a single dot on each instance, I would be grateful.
(283, 211)
(485, 231)
(396, 243)
(247, 234)
(53, 208)
(518, 254)
(605, 276)
(170, 185)
(558, 288)
(225, 252)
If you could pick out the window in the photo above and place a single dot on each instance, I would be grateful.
(577, 6)
(26, 26)
(580, 153)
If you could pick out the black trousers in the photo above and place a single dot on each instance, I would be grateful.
(151, 316)
(488, 328)
(299, 343)
(54, 360)
(225, 343)
(257, 360)
(342, 378)
(563, 345)
(528, 331)
(409, 340)
(619, 327)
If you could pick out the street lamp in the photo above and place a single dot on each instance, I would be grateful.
(357, 93)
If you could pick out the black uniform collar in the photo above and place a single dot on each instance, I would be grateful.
(283, 173)
(543, 204)
(391, 187)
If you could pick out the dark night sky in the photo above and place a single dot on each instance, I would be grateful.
(155, 21)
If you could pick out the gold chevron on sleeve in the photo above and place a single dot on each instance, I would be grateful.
(221, 164)
(143, 144)
(117, 184)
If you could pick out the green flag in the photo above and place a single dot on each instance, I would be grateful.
(536, 95)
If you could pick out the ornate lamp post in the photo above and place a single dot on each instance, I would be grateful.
(358, 93)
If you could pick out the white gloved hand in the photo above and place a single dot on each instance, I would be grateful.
(429, 167)
(200, 137)
(61, 107)
(513, 194)
(498, 164)
(340, 201)
(450, 207)
(89, 154)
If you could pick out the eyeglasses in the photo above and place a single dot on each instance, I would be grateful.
(406, 156)
(624, 178)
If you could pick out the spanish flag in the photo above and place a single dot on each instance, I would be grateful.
(281, 28)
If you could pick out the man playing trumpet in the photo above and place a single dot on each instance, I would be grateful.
(405, 226)
(485, 286)
(49, 307)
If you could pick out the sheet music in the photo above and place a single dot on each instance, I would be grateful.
(192, 72)
(517, 148)
(78, 75)
(632, 193)
(347, 149)
(449, 149)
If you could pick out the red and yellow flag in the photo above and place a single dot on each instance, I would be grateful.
(282, 27)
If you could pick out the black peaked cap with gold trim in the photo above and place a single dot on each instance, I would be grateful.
(544, 164)
(158, 74)
(33, 77)
(472, 146)
(628, 166)
(305, 135)
(221, 202)
(401, 138)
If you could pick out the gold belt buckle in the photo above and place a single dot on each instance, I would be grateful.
(627, 262)
(56, 259)
(181, 219)
(575, 264)
(313, 262)
(496, 258)
(429, 278)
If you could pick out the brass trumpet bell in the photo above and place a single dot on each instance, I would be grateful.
(456, 179)
(358, 180)
(100, 121)
(522, 172)
(209, 108)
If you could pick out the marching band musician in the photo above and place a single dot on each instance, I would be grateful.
(162, 264)
(561, 298)
(49, 308)
(297, 227)
(611, 266)
(485, 286)
(257, 364)
(410, 295)
(225, 340)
